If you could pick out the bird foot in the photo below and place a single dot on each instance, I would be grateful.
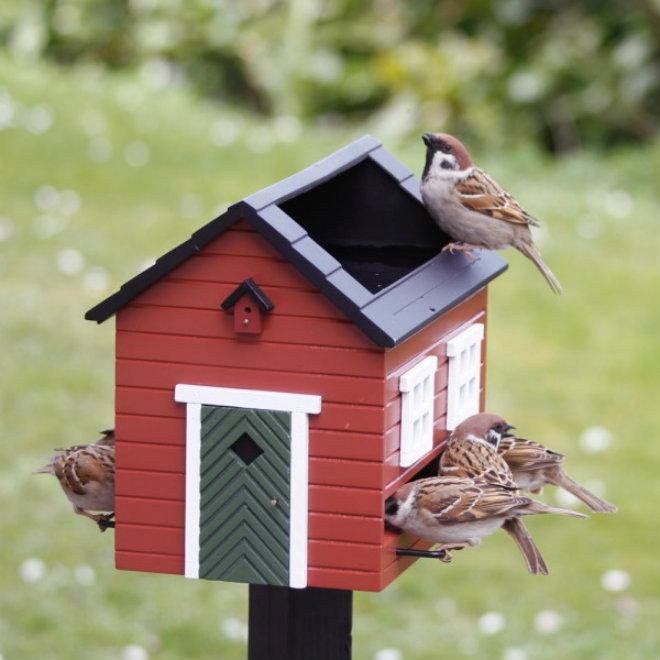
(460, 246)
(106, 522)
(448, 548)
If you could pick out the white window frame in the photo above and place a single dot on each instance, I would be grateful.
(417, 387)
(300, 406)
(464, 374)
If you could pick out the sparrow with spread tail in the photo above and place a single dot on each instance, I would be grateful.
(87, 476)
(534, 466)
(471, 208)
(471, 452)
(457, 512)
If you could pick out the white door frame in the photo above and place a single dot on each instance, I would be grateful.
(299, 405)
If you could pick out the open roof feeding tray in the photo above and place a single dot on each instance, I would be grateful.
(377, 231)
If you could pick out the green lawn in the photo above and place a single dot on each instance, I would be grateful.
(144, 167)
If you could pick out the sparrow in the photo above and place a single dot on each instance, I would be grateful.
(534, 466)
(457, 512)
(473, 209)
(87, 476)
(471, 452)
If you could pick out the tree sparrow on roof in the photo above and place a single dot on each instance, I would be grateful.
(534, 466)
(471, 208)
(87, 476)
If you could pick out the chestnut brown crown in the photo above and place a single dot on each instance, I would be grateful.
(448, 144)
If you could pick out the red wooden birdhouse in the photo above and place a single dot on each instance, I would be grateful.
(286, 369)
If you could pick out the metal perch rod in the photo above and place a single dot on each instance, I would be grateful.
(428, 554)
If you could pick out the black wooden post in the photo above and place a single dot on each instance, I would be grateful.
(299, 624)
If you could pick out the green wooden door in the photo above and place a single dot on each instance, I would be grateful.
(244, 495)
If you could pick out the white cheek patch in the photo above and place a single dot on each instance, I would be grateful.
(443, 164)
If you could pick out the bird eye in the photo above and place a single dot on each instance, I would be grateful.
(444, 147)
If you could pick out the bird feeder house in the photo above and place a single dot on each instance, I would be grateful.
(284, 370)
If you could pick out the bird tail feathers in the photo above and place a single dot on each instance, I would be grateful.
(595, 503)
(532, 253)
(516, 529)
(535, 506)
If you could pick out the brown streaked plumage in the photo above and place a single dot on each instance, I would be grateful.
(534, 466)
(471, 207)
(87, 476)
(472, 452)
(457, 512)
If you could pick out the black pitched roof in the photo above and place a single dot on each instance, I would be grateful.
(355, 226)
(251, 287)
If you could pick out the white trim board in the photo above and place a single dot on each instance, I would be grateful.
(239, 398)
(299, 405)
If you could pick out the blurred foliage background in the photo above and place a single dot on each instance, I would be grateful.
(562, 73)
(126, 125)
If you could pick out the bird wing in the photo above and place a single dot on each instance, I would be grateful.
(523, 454)
(78, 466)
(476, 460)
(478, 192)
(457, 500)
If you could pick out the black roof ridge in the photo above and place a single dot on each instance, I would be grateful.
(248, 285)
(421, 292)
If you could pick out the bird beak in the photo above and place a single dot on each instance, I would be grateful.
(506, 433)
(428, 139)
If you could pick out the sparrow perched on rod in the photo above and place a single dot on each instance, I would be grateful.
(87, 476)
(457, 512)
(534, 466)
(471, 452)
(472, 208)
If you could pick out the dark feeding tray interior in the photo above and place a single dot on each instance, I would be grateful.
(378, 231)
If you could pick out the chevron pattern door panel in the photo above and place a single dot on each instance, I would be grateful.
(244, 495)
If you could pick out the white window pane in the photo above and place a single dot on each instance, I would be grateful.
(417, 389)
(473, 355)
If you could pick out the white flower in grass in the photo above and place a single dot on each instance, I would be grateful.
(234, 629)
(147, 263)
(134, 652)
(190, 206)
(615, 580)
(37, 120)
(388, 654)
(491, 623)
(69, 202)
(46, 225)
(287, 128)
(137, 154)
(32, 570)
(46, 197)
(225, 131)
(618, 204)
(70, 261)
(7, 229)
(564, 498)
(100, 150)
(514, 653)
(595, 439)
(96, 280)
(84, 575)
(7, 110)
(547, 622)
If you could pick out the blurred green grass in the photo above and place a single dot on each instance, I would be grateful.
(557, 366)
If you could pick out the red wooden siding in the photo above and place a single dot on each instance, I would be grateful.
(175, 332)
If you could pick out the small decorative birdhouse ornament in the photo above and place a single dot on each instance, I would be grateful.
(248, 302)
